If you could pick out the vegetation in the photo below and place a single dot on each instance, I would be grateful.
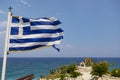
(75, 74)
(53, 76)
(115, 72)
(62, 76)
(88, 62)
(64, 71)
(100, 69)
(52, 71)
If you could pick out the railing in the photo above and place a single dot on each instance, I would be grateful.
(28, 77)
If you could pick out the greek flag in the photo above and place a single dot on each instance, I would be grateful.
(32, 33)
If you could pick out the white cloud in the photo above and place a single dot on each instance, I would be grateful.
(3, 24)
(2, 12)
(25, 3)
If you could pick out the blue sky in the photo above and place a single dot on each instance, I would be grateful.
(91, 27)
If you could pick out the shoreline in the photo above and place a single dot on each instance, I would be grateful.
(44, 62)
(86, 70)
(86, 75)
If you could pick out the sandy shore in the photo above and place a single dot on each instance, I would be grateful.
(85, 72)
(86, 75)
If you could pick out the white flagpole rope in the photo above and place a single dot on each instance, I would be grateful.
(6, 45)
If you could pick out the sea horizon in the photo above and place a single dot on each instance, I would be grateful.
(21, 66)
(66, 57)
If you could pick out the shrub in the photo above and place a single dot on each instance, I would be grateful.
(88, 62)
(64, 69)
(100, 69)
(115, 72)
(75, 74)
(52, 71)
(62, 76)
(71, 68)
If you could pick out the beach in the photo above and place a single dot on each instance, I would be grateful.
(86, 75)
(85, 71)
(19, 67)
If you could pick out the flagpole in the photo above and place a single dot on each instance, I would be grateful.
(6, 45)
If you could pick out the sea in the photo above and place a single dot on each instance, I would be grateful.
(19, 67)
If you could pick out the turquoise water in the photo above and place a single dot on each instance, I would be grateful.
(19, 67)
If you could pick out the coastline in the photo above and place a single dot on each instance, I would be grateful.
(86, 70)
(42, 66)
(86, 75)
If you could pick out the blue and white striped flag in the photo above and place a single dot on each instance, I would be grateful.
(32, 33)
